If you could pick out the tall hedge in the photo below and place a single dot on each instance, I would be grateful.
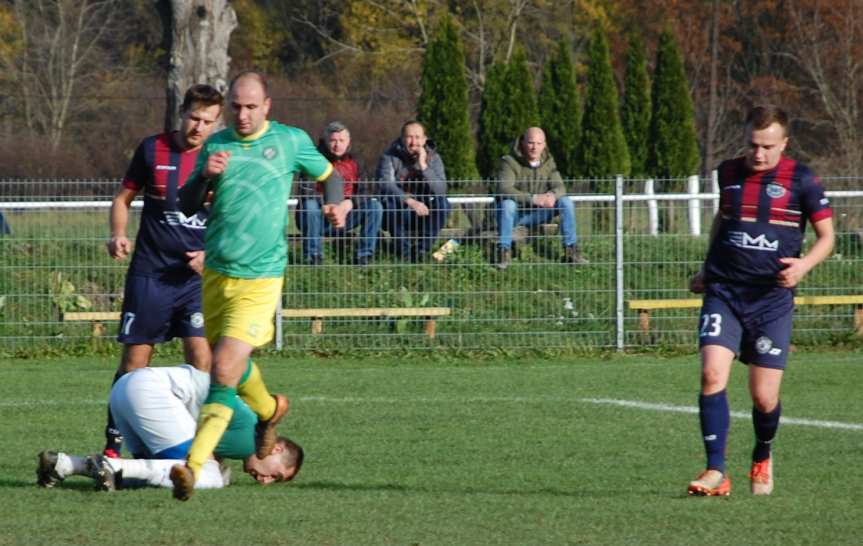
(673, 150)
(635, 111)
(443, 103)
(602, 151)
(507, 109)
(560, 109)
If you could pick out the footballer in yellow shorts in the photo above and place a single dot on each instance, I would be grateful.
(240, 308)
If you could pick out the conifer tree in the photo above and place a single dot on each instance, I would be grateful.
(602, 150)
(507, 109)
(635, 112)
(673, 150)
(443, 104)
(493, 134)
(560, 109)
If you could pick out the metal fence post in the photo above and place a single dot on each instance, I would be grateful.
(652, 208)
(714, 188)
(618, 257)
(694, 206)
(278, 319)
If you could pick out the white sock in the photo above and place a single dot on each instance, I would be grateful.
(156, 472)
(70, 465)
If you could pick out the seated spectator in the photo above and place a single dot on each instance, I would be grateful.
(368, 210)
(413, 182)
(530, 192)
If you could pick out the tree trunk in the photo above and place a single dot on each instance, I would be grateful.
(197, 33)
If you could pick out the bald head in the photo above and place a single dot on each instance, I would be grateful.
(533, 144)
(250, 102)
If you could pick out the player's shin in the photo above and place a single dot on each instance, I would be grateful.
(254, 392)
(215, 415)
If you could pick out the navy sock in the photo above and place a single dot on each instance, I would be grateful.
(715, 420)
(113, 438)
(766, 425)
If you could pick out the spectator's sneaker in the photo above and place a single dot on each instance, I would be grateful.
(46, 472)
(504, 257)
(571, 255)
(761, 477)
(184, 481)
(106, 478)
(265, 431)
(710, 483)
(315, 260)
(519, 233)
(362, 260)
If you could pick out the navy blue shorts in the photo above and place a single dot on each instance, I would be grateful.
(155, 310)
(752, 321)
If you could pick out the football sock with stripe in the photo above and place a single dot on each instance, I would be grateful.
(766, 425)
(254, 392)
(715, 420)
(215, 415)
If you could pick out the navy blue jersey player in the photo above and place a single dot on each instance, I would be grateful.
(748, 280)
(162, 295)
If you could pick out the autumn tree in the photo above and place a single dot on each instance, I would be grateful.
(56, 48)
(560, 109)
(635, 111)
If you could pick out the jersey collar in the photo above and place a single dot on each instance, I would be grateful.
(253, 136)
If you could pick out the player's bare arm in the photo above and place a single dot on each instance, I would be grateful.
(797, 268)
(119, 247)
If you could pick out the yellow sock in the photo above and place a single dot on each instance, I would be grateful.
(254, 392)
(212, 424)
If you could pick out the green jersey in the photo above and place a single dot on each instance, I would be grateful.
(238, 441)
(247, 220)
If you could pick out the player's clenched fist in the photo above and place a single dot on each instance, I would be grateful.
(216, 164)
(119, 247)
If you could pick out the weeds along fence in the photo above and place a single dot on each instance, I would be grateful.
(643, 240)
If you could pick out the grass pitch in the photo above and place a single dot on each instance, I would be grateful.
(518, 451)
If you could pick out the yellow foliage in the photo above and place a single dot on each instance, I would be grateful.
(11, 40)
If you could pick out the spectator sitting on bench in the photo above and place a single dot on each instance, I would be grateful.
(531, 192)
(335, 145)
(414, 184)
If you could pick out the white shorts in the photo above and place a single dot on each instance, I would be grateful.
(156, 410)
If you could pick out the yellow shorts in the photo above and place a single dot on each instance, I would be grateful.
(240, 308)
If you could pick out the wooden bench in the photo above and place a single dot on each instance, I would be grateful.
(430, 315)
(97, 318)
(644, 307)
(318, 315)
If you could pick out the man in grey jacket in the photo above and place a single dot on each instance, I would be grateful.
(530, 192)
(413, 184)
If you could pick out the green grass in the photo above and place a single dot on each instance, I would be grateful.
(453, 451)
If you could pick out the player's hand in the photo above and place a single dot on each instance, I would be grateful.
(417, 206)
(795, 270)
(696, 283)
(216, 164)
(119, 247)
(337, 215)
(196, 261)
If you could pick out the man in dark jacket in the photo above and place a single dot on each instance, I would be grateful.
(530, 192)
(368, 210)
(413, 182)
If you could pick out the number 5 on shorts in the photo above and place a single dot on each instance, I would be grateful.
(711, 325)
(128, 319)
